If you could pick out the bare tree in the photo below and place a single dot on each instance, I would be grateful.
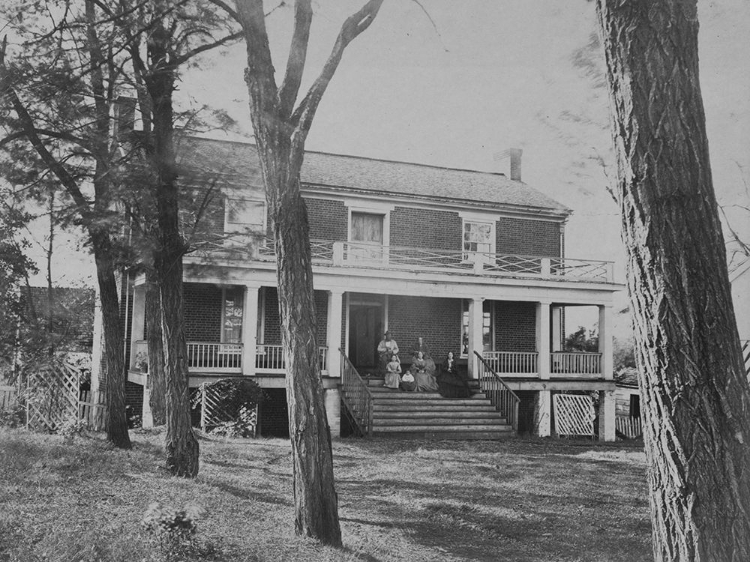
(695, 392)
(281, 130)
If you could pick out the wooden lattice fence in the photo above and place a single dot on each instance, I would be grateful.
(574, 414)
(8, 398)
(92, 410)
(214, 414)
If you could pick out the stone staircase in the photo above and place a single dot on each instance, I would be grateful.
(427, 415)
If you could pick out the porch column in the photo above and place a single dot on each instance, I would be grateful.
(543, 414)
(607, 410)
(543, 338)
(558, 332)
(476, 317)
(333, 332)
(605, 342)
(250, 329)
(147, 418)
(139, 320)
(333, 410)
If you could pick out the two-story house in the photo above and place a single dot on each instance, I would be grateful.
(472, 262)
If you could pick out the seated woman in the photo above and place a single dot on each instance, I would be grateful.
(429, 364)
(450, 383)
(425, 381)
(393, 372)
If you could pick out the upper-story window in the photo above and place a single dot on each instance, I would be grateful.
(478, 237)
(242, 215)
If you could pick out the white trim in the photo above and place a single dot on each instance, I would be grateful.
(261, 319)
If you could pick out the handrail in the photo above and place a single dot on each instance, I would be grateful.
(500, 394)
(356, 396)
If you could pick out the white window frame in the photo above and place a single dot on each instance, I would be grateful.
(241, 227)
(477, 218)
(375, 208)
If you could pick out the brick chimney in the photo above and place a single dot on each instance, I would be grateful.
(514, 155)
(515, 163)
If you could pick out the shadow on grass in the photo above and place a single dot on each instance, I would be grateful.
(246, 494)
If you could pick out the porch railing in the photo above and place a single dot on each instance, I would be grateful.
(356, 396)
(362, 254)
(270, 358)
(512, 362)
(575, 363)
(502, 397)
(210, 357)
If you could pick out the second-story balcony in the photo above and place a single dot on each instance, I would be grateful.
(403, 258)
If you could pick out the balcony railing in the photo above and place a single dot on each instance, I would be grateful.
(270, 359)
(565, 364)
(359, 254)
(208, 357)
(512, 363)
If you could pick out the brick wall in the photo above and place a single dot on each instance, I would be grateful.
(426, 228)
(531, 237)
(202, 312)
(436, 320)
(515, 326)
(329, 220)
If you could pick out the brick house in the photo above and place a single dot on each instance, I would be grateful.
(469, 261)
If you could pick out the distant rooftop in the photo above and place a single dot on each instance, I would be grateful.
(237, 164)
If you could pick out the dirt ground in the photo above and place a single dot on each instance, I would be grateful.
(517, 500)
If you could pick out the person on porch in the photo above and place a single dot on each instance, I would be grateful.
(387, 348)
(450, 383)
(425, 381)
(392, 373)
(421, 346)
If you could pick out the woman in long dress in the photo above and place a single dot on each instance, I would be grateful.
(450, 383)
(425, 382)
(392, 373)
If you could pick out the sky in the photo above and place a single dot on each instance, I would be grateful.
(458, 82)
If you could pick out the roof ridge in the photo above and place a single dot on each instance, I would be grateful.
(369, 158)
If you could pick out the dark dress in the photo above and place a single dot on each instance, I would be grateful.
(450, 383)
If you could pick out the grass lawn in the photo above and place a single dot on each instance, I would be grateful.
(517, 500)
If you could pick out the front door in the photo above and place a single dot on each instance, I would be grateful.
(365, 331)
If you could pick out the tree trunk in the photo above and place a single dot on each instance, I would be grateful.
(113, 381)
(696, 397)
(315, 498)
(156, 378)
(181, 444)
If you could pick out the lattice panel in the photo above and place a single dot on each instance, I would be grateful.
(213, 413)
(574, 414)
(53, 397)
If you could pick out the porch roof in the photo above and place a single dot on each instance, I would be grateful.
(236, 165)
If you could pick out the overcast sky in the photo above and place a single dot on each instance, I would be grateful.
(476, 77)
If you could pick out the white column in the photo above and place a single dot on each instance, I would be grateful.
(543, 338)
(333, 411)
(476, 317)
(557, 328)
(333, 332)
(605, 342)
(250, 329)
(607, 411)
(147, 418)
(543, 414)
(139, 320)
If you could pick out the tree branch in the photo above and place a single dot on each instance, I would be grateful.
(350, 30)
(205, 47)
(27, 123)
(295, 65)
(60, 135)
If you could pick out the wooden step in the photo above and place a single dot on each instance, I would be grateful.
(433, 429)
(452, 409)
(442, 423)
(493, 435)
(436, 414)
(431, 403)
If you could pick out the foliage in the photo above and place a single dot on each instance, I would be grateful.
(582, 340)
(237, 399)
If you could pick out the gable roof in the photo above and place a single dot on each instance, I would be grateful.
(237, 164)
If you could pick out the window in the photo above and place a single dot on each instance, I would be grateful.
(366, 235)
(232, 316)
(242, 215)
(486, 327)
